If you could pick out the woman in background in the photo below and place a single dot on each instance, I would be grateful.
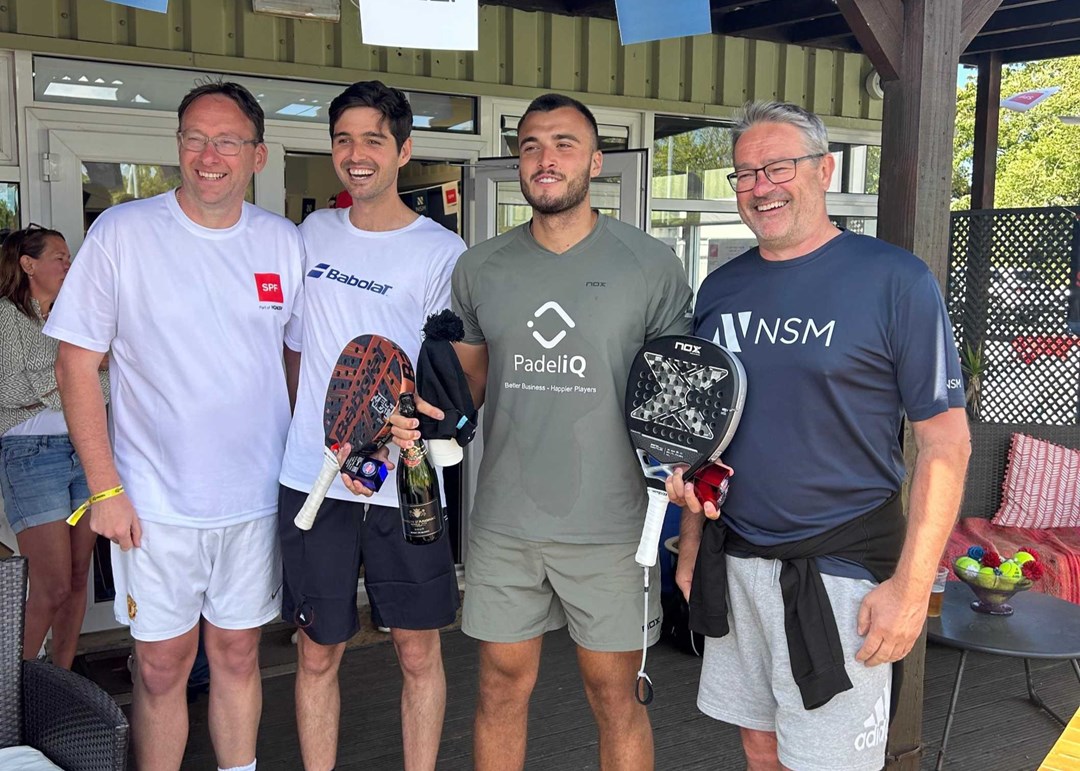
(41, 478)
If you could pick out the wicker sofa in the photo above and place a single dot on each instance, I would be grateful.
(1059, 547)
(69, 719)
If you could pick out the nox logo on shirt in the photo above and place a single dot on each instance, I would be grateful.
(737, 329)
(325, 271)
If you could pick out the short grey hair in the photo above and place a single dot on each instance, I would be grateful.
(753, 113)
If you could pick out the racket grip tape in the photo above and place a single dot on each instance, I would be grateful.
(305, 518)
(649, 544)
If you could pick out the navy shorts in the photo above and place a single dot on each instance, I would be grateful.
(41, 480)
(408, 586)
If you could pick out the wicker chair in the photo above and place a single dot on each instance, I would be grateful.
(63, 715)
(989, 453)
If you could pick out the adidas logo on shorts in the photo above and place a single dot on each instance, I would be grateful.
(877, 728)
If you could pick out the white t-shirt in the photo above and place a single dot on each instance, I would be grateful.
(194, 319)
(44, 423)
(399, 278)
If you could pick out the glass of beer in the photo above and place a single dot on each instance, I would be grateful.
(937, 593)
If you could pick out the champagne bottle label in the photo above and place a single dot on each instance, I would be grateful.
(422, 523)
(413, 456)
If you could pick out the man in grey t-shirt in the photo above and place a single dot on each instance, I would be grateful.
(554, 312)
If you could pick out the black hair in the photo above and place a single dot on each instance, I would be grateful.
(550, 102)
(391, 102)
(240, 95)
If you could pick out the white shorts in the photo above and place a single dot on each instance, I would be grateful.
(229, 575)
(746, 676)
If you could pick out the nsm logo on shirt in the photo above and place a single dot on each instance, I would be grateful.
(323, 270)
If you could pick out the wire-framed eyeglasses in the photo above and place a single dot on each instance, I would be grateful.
(224, 145)
(744, 180)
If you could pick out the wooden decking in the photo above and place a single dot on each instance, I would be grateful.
(995, 726)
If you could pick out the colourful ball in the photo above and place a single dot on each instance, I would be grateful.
(1010, 569)
(987, 578)
(976, 552)
(1021, 557)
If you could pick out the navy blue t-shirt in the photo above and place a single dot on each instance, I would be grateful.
(837, 345)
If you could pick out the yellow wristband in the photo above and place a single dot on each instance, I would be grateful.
(77, 514)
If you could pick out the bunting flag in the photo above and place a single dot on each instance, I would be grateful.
(1028, 99)
(433, 24)
(642, 20)
(160, 6)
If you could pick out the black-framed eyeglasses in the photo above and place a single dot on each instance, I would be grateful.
(744, 180)
(225, 145)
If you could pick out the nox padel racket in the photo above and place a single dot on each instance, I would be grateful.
(370, 375)
(684, 399)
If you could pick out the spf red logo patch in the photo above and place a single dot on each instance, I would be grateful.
(269, 286)
(451, 196)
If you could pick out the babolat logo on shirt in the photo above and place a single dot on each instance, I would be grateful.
(738, 328)
(323, 270)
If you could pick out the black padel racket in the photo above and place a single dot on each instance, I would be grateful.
(684, 398)
(369, 377)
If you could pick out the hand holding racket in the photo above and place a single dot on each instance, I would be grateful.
(684, 398)
(370, 374)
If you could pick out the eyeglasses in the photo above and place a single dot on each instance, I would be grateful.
(744, 180)
(196, 143)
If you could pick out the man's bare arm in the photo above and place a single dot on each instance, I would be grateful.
(84, 411)
(292, 374)
(474, 362)
(892, 615)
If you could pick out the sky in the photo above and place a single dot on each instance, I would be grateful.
(964, 72)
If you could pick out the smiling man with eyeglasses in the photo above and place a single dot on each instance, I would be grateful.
(195, 292)
(808, 587)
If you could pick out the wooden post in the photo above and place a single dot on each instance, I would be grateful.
(919, 120)
(987, 112)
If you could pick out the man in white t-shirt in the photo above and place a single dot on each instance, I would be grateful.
(194, 293)
(373, 268)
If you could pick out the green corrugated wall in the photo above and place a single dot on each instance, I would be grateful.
(520, 54)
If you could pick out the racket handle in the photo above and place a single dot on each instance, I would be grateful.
(649, 544)
(305, 518)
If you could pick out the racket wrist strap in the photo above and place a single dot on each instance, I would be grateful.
(104, 495)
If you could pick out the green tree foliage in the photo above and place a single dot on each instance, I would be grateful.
(693, 151)
(1038, 161)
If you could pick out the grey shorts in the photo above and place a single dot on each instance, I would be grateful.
(746, 676)
(516, 590)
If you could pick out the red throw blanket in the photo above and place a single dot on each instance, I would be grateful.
(1058, 547)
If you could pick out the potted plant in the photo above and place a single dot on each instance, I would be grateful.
(974, 366)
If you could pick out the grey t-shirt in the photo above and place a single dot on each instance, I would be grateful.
(561, 331)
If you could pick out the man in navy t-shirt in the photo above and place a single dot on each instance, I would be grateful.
(809, 582)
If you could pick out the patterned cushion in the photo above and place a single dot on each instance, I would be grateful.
(1042, 485)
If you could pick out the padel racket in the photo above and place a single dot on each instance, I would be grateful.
(369, 377)
(684, 399)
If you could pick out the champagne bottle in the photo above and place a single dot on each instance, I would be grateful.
(418, 488)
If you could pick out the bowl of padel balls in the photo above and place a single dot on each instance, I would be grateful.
(995, 579)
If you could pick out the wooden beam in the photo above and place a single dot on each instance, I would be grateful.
(878, 26)
(767, 15)
(1011, 18)
(1027, 38)
(919, 115)
(819, 29)
(987, 112)
(975, 14)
